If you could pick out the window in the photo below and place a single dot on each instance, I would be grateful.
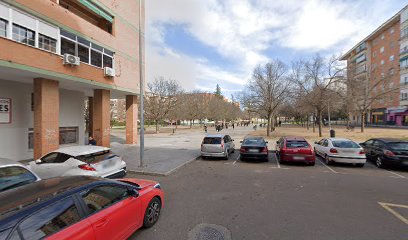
(47, 43)
(297, 144)
(87, 51)
(12, 177)
(381, 49)
(360, 48)
(382, 36)
(404, 63)
(212, 140)
(104, 196)
(392, 71)
(68, 135)
(404, 32)
(361, 58)
(391, 30)
(3, 28)
(96, 58)
(23, 35)
(392, 45)
(392, 58)
(374, 53)
(382, 62)
(404, 96)
(50, 220)
(67, 46)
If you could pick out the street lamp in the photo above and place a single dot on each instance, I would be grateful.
(141, 85)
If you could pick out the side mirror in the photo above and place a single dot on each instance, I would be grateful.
(240, 141)
(266, 142)
(38, 161)
(362, 144)
(277, 142)
(133, 192)
(316, 143)
(233, 140)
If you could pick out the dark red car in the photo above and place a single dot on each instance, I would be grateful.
(79, 207)
(295, 149)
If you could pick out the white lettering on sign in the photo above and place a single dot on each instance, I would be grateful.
(5, 110)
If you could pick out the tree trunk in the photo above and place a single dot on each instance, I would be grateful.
(157, 126)
(319, 112)
(273, 122)
(362, 121)
(307, 122)
(314, 123)
(268, 129)
(191, 124)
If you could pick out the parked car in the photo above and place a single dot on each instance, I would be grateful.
(340, 150)
(79, 207)
(386, 151)
(295, 149)
(254, 148)
(14, 174)
(80, 160)
(217, 145)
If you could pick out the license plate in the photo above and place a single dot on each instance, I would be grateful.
(253, 150)
(107, 164)
(298, 158)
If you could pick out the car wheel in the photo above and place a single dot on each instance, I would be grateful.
(327, 160)
(226, 155)
(360, 165)
(152, 213)
(314, 149)
(312, 163)
(379, 162)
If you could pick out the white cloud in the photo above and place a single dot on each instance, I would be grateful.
(242, 30)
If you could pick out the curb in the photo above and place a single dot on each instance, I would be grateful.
(162, 174)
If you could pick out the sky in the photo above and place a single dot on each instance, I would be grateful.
(202, 43)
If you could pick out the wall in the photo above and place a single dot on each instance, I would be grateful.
(14, 136)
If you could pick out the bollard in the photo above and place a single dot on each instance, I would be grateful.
(332, 133)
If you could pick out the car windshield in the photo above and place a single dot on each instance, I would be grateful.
(297, 144)
(12, 177)
(212, 140)
(253, 141)
(345, 144)
(399, 146)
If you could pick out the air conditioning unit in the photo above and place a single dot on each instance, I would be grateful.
(109, 72)
(71, 59)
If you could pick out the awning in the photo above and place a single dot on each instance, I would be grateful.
(96, 9)
(377, 113)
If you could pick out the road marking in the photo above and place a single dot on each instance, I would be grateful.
(331, 169)
(388, 206)
(400, 176)
(277, 161)
(238, 157)
(234, 162)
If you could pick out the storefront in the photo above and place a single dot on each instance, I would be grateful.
(378, 116)
(398, 116)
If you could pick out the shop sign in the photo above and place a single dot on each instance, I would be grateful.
(5, 110)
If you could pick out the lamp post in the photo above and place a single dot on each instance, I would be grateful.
(141, 85)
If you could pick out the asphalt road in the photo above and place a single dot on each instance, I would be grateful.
(270, 201)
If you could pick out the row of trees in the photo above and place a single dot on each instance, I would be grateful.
(166, 100)
(308, 89)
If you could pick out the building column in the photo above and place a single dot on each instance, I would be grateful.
(90, 115)
(131, 119)
(46, 116)
(101, 117)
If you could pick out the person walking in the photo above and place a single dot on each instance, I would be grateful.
(205, 128)
(233, 126)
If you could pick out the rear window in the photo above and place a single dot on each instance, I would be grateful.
(398, 146)
(345, 144)
(253, 142)
(212, 140)
(96, 157)
(297, 144)
(12, 177)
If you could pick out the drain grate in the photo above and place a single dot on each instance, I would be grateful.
(209, 232)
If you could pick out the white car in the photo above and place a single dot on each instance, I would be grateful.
(340, 150)
(14, 174)
(80, 160)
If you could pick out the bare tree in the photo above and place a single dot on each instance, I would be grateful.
(162, 98)
(267, 90)
(366, 86)
(317, 82)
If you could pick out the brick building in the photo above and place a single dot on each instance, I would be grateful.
(55, 54)
(383, 57)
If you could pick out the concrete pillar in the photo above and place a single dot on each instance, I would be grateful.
(101, 117)
(131, 119)
(90, 114)
(46, 116)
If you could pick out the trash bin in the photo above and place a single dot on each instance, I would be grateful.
(332, 133)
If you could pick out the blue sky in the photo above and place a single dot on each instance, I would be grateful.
(201, 43)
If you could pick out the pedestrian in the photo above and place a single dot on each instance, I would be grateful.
(91, 141)
(233, 125)
(205, 128)
(280, 123)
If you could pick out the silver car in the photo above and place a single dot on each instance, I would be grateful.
(217, 145)
(80, 160)
(14, 174)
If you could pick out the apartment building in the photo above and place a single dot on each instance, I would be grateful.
(55, 54)
(382, 58)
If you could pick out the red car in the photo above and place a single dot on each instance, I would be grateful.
(295, 149)
(79, 207)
